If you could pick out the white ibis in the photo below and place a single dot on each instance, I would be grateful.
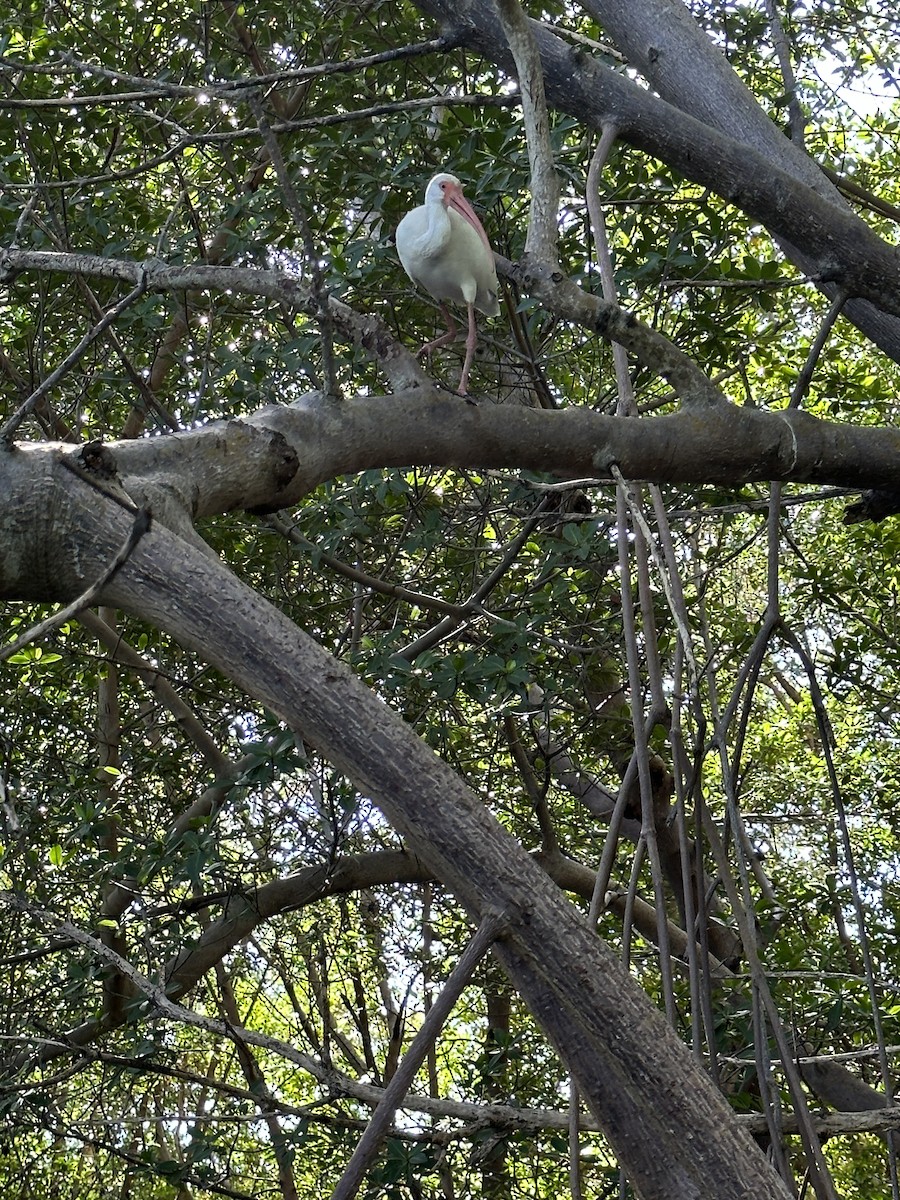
(443, 247)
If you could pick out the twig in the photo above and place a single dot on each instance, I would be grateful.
(801, 387)
(566, 486)
(10, 426)
(158, 686)
(372, 582)
(24, 215)
(443, 628)
(537, 793)
(148, 400)
(140, 1166)
(744, 284)
(187, 140)
(852, 190)
(155, 993)
(796, 118)
(313, 257)
(491, 927)
(156, 87)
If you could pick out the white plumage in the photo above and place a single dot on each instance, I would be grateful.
(443, 248)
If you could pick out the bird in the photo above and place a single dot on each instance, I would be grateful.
(443, 248)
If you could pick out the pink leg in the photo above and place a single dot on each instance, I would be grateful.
(470, 352)
(428, 347)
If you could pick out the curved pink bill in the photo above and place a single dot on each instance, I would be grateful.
(458, 201)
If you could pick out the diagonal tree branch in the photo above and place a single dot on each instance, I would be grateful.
(9, 427)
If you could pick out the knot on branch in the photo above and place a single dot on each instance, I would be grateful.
(98, 460)
(7, 271)
(285, 461)
(873, 505)
(282, 460)
(602, 322)
(456, 35)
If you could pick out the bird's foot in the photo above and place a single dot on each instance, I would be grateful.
(428, 348)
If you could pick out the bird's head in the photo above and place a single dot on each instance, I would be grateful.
(447, 190)
(443, 189)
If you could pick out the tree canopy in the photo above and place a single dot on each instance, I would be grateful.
(414, 795)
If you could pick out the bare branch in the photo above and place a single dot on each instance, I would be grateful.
(122, 653)
(783, 50)
(438, 632)
(801, 387)
(625, 403)
(546, 283)
(543, 219)
(568, 300)
(186, 140)
(372, 582)
(154, 88)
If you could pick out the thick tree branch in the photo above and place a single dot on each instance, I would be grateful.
(278, 455)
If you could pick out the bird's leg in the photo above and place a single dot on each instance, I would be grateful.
(428, 347)
(470, 352)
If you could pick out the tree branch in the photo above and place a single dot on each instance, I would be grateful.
(488, 931)
(368, 332)
(9, 427)
(547, 283)
(543, 220)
